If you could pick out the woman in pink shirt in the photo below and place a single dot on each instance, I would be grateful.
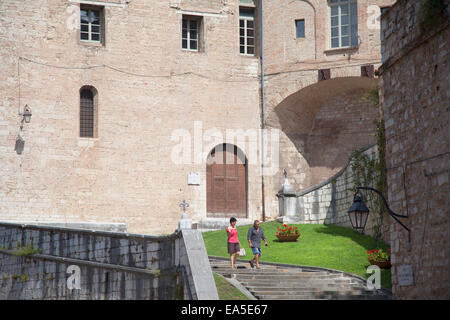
(233, 242)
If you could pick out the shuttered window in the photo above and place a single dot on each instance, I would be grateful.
(324, 74)
(367, 71)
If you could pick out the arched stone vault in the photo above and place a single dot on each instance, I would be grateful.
(320, 125)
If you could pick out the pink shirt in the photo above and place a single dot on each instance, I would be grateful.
(233, 236)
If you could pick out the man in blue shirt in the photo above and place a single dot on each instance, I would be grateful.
(254, 236)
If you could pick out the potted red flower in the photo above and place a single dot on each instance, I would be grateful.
(287, 233)
(380, 257)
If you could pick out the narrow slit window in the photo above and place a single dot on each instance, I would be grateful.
(88, 112)
(300, 28)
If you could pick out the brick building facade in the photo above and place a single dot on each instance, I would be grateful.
(129, 97)
(414, 94)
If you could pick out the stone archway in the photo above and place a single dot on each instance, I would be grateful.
(321, 125)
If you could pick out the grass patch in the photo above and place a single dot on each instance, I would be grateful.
(226, 290)
(27, 250)
(331, 247)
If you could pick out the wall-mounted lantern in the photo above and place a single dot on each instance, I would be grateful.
(358, 212)
(26, 115)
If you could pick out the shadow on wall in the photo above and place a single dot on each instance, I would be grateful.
(20, 145)
(326, 121)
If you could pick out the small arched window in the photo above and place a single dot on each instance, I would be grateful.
(88, 112)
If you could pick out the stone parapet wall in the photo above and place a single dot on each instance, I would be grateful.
(42, 278)
(113, 265)
(329, 201)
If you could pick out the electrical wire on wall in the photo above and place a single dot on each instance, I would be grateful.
(167, 76)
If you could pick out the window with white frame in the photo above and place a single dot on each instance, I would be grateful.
(246, 31)
(190, 38)
(91, 23)
(344, 23)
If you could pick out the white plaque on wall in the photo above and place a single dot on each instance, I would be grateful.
(194, 178)
(405, 275)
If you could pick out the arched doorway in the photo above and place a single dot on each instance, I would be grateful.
(226, 182)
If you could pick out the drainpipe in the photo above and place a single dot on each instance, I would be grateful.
(263, 112)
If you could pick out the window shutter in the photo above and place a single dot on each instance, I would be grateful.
(367, 71)
(324, 74)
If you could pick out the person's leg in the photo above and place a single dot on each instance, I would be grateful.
(252, 262)
(237, 253)
(257, 256)
(232, 260)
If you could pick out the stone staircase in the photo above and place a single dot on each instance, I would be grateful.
(288, 282)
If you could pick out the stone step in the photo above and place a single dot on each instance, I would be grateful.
(290, 278)
(275, 272)
(302, 288)
(291, 283)
(323, 296)
(287, 291)
(271, 271)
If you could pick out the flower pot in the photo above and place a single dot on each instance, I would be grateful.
(287, 237)
(384, 264)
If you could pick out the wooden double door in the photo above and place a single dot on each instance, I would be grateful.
(226, 183)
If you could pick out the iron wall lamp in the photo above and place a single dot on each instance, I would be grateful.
(26, 114)
(358, 212)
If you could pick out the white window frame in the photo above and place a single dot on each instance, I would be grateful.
(246, 37)
(90, 25)
(338, 4)
(188, 28)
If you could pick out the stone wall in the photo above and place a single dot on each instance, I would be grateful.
(329, 201)
(148, 87)
(415, 99)
(113, 265)
(151, 94)
(311, 155)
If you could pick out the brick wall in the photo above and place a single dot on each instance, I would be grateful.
(147, 88)
(415, 98)
(291, 66)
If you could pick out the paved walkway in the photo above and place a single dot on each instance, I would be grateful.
(288, 282)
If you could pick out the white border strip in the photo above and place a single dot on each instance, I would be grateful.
(99, 3)
(203, 14)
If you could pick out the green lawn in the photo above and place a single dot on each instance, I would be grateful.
(226, 290)
(331, 247)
